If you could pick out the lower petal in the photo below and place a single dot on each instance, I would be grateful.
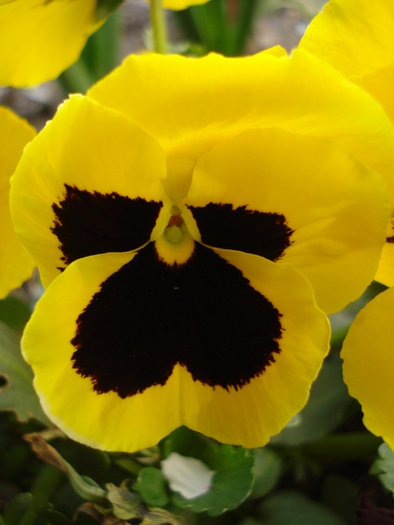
(225, 343)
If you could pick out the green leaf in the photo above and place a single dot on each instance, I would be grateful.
(184, 441)
(268, 467)
(18, 393)
(292, 508)
(152, 486)
(161, 517)
(124, 503)
(106, 7)
(56, 518)
(326, 407)
(16, 509)
(384, 466)
(128, 464)
(14, 312)
(231, 483)
(342, 496)
(85, 487)
(250, 521)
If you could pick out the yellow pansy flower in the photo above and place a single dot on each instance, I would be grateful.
(357, 38)
(15, 264)
(179, 215)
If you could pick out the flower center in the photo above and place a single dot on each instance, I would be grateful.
(175, 227)
(176, 245)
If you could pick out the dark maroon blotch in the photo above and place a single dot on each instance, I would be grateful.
(261, 233)
(149, 316)
(91, 223)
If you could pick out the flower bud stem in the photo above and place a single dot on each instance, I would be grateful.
(158, 24)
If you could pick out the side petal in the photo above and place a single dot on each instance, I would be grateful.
(16, 265)
(189, 105)
(89, 183)
(40, 39)
(368, 362)
(217, 344)
(297, 200)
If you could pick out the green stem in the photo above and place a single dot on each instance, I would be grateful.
(159, 28)
(129, 465)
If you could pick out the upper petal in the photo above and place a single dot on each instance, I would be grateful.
(293, 199)
(189, 105)
(16, 265)
(89, 183)
(40, 39)
(368, 362)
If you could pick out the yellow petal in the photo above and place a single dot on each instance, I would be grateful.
(368, 362)
(148, 346)
(354, 36)
(335, 210)
(385, 273)
(379, 83)
(16, 265)
(177, 5)
(40, 39)
(189, 105)
(79, 186)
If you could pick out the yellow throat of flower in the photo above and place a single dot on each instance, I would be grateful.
(175, 245)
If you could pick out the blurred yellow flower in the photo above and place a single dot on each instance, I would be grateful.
(357, 38)
(368, 363)
(41, 38)
(177, 5)
(15, 264)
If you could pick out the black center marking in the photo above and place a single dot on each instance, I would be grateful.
(264, 234)
(92, 223)
(149, 316)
